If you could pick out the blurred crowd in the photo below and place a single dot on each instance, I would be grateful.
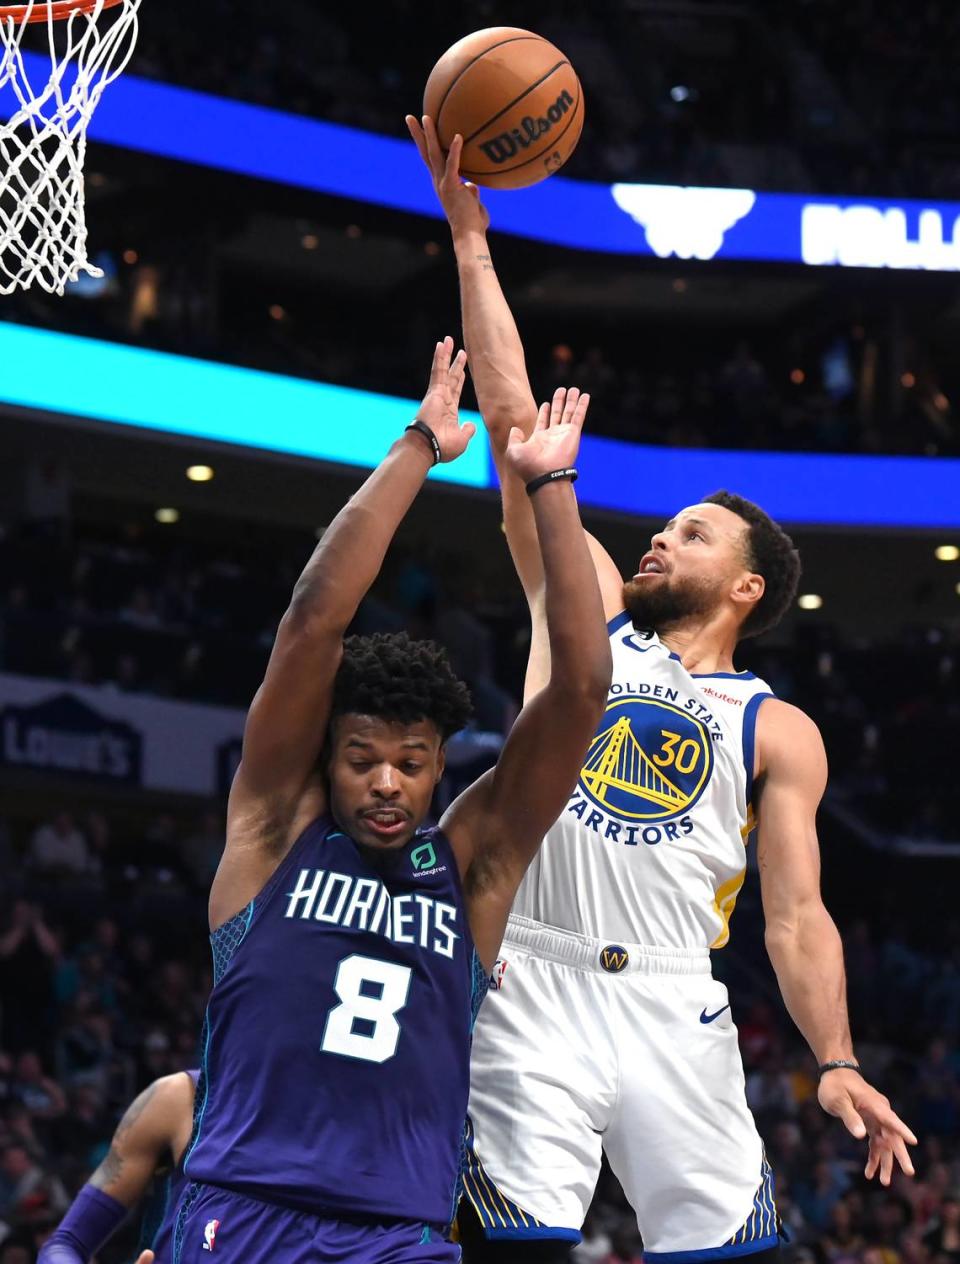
(99, 998)
(813, 396)
(179, 615)
(807, 96)
(142, 611)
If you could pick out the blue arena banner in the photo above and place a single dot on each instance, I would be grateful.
(205, 400)
(132, 386)
(810, 488)
(664, 221)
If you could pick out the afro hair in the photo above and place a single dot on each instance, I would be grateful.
(394, 678)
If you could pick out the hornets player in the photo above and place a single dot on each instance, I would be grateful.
(351, 947)
(607, 1029)
(143, 1164)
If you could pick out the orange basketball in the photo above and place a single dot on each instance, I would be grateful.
(515, 100)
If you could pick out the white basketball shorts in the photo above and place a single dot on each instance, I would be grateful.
(582, 1046)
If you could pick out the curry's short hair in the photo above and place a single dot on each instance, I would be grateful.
(770, 553)
(394, 678)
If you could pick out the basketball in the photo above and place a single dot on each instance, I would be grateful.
(516, 101)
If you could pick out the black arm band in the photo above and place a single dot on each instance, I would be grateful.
(841, 1064)
(421, 427)
(536, 483)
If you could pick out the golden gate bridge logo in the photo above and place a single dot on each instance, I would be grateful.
(650, 760)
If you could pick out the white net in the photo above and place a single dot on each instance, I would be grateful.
(46, 103)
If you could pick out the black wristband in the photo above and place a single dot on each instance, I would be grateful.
(421, 427)
(554, 476)
(841, 1064)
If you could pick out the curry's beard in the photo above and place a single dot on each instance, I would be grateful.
(664, 605)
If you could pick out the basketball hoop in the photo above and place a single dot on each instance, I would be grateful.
(43, 230)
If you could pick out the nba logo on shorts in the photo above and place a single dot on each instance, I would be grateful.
(496, 978)
(210, 1234)
(614, 958)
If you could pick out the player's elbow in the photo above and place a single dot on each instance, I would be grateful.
(503, 412)
(802, 927)
(780, 938)
(598, 673)
(585, 671)
(582, 694)
(315, 613)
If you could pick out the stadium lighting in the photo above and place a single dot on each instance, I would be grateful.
(809, 601)
(167, 516)
(200, 473)
(946, 553)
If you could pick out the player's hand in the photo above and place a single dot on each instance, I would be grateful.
(554, 442)
(145, 1257)
(867, 1113)
(441, 403)
(460, 199)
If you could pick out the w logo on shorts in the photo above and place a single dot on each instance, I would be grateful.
(210, 1234)
(614, 958)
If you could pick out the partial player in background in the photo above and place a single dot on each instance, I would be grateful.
(144, 1162)
(351, 946)
(608, 1029)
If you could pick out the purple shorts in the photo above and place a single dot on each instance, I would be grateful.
(241, 1230)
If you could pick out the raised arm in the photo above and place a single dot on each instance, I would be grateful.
(499, 373)
(150, 1135)
(497, 825)
(288, 720)
(802, 940)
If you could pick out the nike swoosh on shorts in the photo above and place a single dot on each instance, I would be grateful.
(708, 1018)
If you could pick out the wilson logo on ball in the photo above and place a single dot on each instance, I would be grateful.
(516, 101)
(508, 144)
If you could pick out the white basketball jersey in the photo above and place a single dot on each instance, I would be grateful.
(651, 848)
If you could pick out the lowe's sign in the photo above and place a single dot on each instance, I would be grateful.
(663, 221)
